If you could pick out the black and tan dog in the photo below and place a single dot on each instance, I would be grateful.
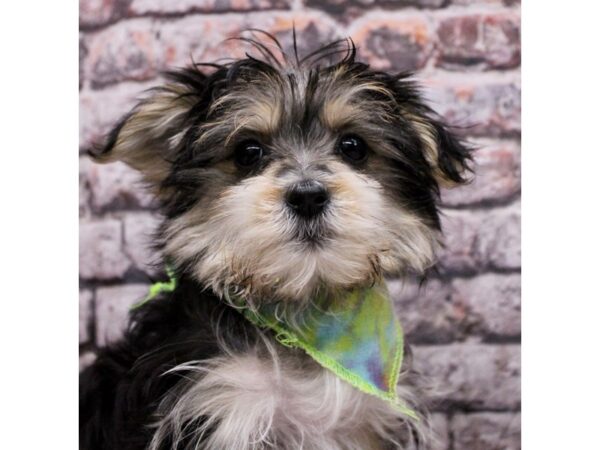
(278, 177)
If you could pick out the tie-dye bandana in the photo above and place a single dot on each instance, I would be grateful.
(357, 337)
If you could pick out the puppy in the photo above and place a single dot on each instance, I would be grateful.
(279, 178)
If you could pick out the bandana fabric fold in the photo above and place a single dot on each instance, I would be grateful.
(356, 336)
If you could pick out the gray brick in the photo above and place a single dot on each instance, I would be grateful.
(501, 244)
(489, 41)
(480, 240)
(94, 13)
(427, 313)
(115, 186)
(493, 302)
(394, 41)
(112, 308)
(139, 229)
(100, 250)
(85, 315)
(477, 376)
(443, 311)
(485, 431)
(496, 177)
(128, 50)
(461, 236)
(481, 104)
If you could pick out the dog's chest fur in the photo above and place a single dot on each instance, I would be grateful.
(273, 398)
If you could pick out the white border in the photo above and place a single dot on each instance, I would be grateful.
(38, 248)
(561, 225)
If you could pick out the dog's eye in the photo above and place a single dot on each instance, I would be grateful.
(248, 153)
(353, 148)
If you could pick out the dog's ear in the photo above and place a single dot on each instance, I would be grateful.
(448, 156)
(148, 137)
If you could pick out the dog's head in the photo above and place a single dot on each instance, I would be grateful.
(279, 176)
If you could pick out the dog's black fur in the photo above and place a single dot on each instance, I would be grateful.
(120, 392)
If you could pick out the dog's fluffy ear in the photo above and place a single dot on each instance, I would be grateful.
(448, 156)
(147, 138)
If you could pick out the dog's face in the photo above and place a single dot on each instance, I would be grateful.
(277, 180)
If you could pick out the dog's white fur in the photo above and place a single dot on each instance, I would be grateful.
(276, 399)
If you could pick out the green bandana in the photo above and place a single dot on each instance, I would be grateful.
(357, 337)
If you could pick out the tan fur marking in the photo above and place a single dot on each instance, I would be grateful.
(347, 104)
(254, 107)
(430, 146)
(143, 142)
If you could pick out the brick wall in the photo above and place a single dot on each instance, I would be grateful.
(465, 324)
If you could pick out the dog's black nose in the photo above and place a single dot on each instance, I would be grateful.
(307, 198)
